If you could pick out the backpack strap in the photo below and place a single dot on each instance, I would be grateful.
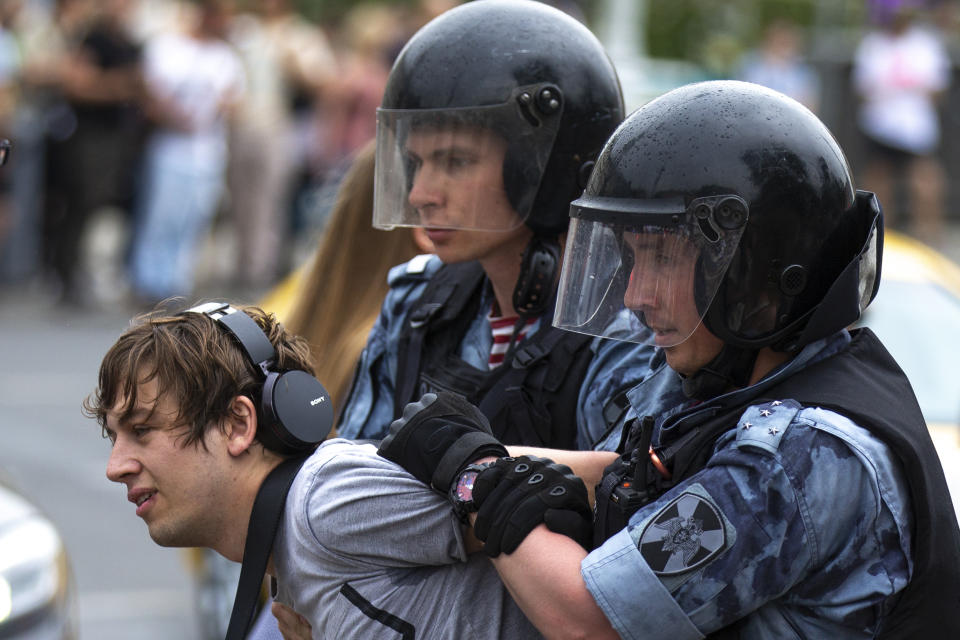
(443, 301)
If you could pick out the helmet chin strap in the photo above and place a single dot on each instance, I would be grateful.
(730, 369)
(538, 272)
(534, 288)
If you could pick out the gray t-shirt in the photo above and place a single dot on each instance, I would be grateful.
(365, 550)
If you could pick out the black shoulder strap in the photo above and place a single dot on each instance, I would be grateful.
(545, 340)
(447, 293)
(264, 521)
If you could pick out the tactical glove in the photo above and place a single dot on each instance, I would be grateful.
(514, 495)
(437, 437)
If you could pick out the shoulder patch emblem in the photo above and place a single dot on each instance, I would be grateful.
(685, 535)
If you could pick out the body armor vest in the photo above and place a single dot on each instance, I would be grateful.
(864, 383)
(530, 399)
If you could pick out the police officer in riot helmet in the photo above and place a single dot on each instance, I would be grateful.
(779, 480)
(491, 120)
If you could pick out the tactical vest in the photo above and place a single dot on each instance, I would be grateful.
(530, 399)
(864, 383)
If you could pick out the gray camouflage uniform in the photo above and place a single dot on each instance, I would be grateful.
(798, 527)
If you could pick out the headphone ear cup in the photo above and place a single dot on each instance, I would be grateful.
(297, 412)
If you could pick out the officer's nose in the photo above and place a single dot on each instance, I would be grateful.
(642, 291)
(426, 191)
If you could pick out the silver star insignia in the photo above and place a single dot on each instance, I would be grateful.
(776, 403)
(765, 412)
(773, 431)
(746, 425)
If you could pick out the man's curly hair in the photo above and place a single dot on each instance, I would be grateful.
(194, 361)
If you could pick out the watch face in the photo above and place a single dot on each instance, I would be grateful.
(465, 486)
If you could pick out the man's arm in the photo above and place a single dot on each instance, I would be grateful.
(541, 569)
(543, 576)
(542, 572)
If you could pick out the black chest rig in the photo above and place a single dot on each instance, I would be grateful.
(862, 382)
(530, 399)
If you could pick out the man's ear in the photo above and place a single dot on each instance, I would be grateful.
(240, 425)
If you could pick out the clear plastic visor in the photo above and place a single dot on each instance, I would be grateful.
(646, 276)
(476, 168)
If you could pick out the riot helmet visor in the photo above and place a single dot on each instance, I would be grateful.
(473, 168)
(646, 271)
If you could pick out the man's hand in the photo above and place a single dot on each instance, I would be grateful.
(292, 625)
(437, 437)
(514, 495)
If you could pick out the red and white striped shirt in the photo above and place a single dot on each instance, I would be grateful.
(502, 329)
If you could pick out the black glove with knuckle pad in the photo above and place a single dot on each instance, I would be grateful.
(514, 495)
(437, 437)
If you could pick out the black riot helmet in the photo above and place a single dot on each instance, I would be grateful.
(728, 200)
(531, 75)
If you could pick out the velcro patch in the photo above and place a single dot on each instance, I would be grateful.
(683, 536)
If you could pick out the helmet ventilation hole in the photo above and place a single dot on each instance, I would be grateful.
(793, 280)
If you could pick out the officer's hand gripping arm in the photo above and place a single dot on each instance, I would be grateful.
(514, 495)
(437, 437)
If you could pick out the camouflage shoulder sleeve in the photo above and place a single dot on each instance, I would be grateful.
(762, 426)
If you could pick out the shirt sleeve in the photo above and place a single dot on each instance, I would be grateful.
(616, 368)
(367, 508)
(369, 408)
(752, 526)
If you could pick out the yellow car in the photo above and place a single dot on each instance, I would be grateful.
(917, 316)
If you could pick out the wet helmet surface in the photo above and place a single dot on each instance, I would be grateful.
(530, 73)
(758, 187)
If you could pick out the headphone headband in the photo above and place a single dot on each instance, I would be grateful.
(256, 345)
(295, 410)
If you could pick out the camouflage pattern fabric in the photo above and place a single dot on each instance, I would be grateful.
(798, 527)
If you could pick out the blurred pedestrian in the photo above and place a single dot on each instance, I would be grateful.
(92, 163)
(288, 64)
(194, 80)
(901, 70)
(10, 61)
(43, 120)
(780, 65)
(350, 114)
(344, 117)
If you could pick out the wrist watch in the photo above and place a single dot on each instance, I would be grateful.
(461, 493)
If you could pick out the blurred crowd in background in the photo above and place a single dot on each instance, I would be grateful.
(159, 141)
(141, 127)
